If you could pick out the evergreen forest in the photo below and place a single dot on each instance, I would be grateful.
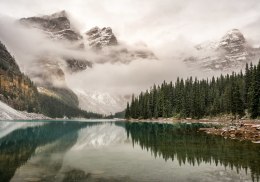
(236, 94)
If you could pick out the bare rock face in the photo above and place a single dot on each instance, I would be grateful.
(57, 26)
(233, 42)
(105, 42)
(231, 52)
(76, 65)
(99, 38)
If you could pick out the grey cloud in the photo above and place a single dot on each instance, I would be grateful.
(169, 27)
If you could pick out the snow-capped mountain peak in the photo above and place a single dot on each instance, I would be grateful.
(233, 41)
(99, 38)
(230, 52)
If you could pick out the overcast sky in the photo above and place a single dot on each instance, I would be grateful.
(151, 21)
(169, 28)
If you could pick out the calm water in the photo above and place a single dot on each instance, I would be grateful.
(118, 151)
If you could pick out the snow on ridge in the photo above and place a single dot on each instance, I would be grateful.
(9, 113)
(100, 102)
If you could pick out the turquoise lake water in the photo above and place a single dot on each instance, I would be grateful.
(121, 151)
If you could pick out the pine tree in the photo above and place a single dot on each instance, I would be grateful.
(127, 112)
(221, 95)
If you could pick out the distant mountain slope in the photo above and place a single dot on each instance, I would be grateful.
(16, 89)
(231, 52)
(100, 102)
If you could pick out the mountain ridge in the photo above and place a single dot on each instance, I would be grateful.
(99, 41)
(230, 52)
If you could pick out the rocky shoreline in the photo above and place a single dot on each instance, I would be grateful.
(239, 129)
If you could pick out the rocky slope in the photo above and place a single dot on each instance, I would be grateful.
(231, 52)
(16, 89)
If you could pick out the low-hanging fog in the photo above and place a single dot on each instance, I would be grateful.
(169, 28)
(28, 45)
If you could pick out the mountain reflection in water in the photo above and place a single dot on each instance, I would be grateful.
(117, 151)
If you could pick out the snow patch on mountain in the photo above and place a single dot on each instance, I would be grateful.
(8, 113)
(231, 52)
(99, 38)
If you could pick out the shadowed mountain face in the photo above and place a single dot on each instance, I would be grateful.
(231, 52)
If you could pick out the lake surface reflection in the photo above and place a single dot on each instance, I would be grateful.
(121, 151)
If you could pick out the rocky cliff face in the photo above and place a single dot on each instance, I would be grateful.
(231, 52)
(99, 38)
(105, 42)
(58, 28)
(16, 89)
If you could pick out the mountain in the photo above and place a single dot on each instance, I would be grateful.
(100, 45)
(16, 89)
(99, 38)
(231, 52)
(58, 27)
(51, 77)
(19, 92)
(100, 102)
(104, 41)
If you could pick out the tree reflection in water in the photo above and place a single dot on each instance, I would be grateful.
(184, 143)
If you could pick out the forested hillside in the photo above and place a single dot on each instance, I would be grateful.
(235, 94)
(16, 89)
(19, 92)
